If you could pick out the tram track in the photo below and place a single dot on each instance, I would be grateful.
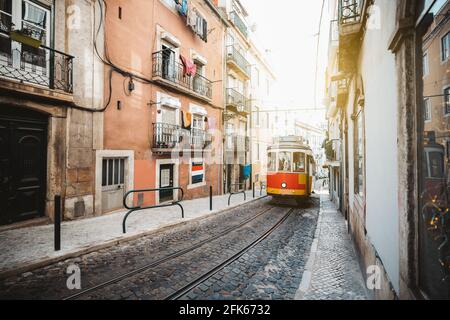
(167, 258)
(211, 272)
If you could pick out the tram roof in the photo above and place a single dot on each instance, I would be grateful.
(290, 142)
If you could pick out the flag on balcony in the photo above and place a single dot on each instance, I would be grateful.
(190, 68)
(198, 172)
(182, 7)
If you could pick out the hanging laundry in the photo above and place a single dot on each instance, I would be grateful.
(186, 119)
(182, 7)
(190, 68)
(191, 20)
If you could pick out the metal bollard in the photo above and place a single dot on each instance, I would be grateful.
(254, 184)
(210, 198)
(57, 223)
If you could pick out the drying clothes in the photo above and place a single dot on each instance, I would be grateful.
(247, 171)
(190, 68)
(186, 120)
(182, 7)
(191, 20)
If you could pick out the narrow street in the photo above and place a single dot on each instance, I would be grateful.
(256, 251)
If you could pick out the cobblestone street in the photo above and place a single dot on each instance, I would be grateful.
(156, 266)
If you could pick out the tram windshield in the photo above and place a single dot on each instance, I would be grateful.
(284, 161)
(272, 162)
(299, 162)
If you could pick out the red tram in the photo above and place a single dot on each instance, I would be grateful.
(291, 168)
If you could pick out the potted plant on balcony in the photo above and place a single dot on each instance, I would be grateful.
(25, 36)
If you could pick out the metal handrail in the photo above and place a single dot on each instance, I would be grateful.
(239, 192)
(43, 66)
(139, 208)
(239, 23)
(350, 11)
(174, 72)
(234, 54)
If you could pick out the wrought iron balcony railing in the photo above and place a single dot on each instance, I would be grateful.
(237, 100)
(236, 57)
(165, 66)
(169, 136)
(41, 66)
(239, 23)
(350, 11)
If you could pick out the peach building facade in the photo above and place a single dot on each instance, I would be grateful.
(163, 124)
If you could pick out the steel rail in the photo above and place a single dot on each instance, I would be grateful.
(181, 292)
(166, 258)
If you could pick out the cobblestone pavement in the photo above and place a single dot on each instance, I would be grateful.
(50, 282)
(301, 259)
(272, 270)
(334, 272)
(22, 247)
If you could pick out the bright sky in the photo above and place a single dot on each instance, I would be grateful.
(288, 29)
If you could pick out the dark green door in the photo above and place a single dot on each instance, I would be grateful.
(23, 145)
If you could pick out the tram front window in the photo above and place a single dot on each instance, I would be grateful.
(284, 161)
(299, 162)
(272, 162)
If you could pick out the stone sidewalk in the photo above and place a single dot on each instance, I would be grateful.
(332, 271)
(27, 248)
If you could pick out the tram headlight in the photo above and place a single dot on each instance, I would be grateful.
(284, 185)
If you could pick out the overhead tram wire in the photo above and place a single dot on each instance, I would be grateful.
(317, 53)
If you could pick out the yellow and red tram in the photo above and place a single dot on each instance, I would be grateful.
(290, 169)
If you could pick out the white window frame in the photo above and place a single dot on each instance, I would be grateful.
(167, 101)
(426, 65)
(427, 110)
(447, 37)
(200, 184)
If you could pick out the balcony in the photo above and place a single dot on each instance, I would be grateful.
(171, 73)
(339, 85)
(41, 66)
(237, 61)
(237, 102)
(352, 17)
(168, 138)
(239, 23)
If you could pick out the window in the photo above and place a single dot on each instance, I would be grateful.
(427, 109)
(168, 115)
(445, 46)
(447, 100)
(425, 65)
(257, 77)
(359, 154)
(299, 162)
(113, 172)
(256, 117)
(197, 172)
(436, 165)
(33, 20)
(272, 162)
(284, 161)
(257, 152)
(169, 3)
(198, 122)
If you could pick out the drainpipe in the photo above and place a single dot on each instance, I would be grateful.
(52, 45)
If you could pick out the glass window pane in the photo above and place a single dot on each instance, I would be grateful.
(110, 171)
(122, 171)
(284, 161)
(116, 171)
(272, 162)
(104, 172)
(299, 162)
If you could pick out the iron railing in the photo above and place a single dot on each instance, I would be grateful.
(166, 67)
(169, 136)
(40, 66)
(237, 100)
(350, 11)
(235, 56)
(239, 23)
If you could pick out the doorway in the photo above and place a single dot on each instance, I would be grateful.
(166, 175)
(23, 159)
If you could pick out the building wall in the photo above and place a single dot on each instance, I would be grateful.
(377, 67)
(131, 42)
